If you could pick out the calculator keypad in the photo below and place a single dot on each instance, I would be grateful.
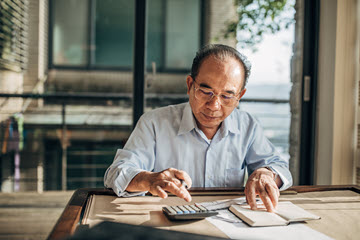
(187, 212)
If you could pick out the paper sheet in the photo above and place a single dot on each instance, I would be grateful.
(222, 204)
(236, 229)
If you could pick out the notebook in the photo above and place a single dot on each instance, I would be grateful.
(286, 212)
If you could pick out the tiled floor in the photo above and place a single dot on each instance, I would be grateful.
(30, 215)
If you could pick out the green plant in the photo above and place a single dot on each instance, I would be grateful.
(259, 17)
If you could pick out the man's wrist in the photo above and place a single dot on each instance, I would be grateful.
(140, 182)
(275, 175)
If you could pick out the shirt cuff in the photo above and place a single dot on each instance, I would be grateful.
(286, 183)
(131, 194)
(123, 180)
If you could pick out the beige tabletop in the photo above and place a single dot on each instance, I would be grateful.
(339, 212)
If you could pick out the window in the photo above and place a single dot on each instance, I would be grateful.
(114, 29)
(107, 39)
(270, 83)
(69, 33)
(173, 33)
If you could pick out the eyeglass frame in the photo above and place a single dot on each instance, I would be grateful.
(218, 95)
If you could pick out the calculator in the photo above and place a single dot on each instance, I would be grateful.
(187, 212)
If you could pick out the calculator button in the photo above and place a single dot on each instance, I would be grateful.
(195, 208)
(182, 208)
(189, 209)
(201, 208)
(178, 211)
(169, 209)
(187, 212)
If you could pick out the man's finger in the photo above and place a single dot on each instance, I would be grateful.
(182, 175)
(273, 193)
(264, 196)
(251, 196)
(181, 192)
(176, 181)
(186, 193)
(160, 192)
(267, 202)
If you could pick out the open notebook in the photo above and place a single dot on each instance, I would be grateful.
(286, 212)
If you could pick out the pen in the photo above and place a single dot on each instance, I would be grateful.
(183, 183)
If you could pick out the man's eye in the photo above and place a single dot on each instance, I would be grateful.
(206, 92)
(226, 97)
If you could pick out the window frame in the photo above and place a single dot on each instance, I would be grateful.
(308, 106)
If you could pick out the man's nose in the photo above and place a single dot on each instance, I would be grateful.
(214, 103)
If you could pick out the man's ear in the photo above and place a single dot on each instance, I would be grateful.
(189, 83)
(242, 93)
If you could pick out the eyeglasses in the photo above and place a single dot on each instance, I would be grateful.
(204, 94)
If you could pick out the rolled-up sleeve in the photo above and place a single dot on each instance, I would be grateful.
(137, 155)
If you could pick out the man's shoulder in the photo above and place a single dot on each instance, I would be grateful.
(242, 116)
(242, 120)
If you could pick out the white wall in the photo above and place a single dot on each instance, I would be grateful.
(336, 98)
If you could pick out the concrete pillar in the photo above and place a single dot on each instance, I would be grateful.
(295, 96)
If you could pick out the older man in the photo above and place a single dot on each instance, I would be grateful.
(206, 142)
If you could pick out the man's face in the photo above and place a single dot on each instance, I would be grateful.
(226, 77)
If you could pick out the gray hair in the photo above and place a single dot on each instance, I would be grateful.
(221, 52)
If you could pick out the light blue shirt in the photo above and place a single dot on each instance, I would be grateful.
(169, 137)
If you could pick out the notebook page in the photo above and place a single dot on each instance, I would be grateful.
(259, 217)
(293, 213)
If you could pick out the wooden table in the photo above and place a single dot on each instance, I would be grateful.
(339, 207)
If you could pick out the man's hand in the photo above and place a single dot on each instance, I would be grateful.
(261, 182)
(159, 183)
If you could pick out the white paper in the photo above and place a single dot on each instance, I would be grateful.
(222, 204)
(227, 216)
(240, 230)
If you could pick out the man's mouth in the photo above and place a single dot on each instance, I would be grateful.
(210, 117)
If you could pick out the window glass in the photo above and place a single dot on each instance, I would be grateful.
(173, 36)
(114, 33)
(270, 82)
(70, 32)
(182, 33)
(155, 33)
(100, 33)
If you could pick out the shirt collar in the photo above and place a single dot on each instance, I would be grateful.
(188, 122)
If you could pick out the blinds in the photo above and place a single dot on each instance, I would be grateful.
(13, 34)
